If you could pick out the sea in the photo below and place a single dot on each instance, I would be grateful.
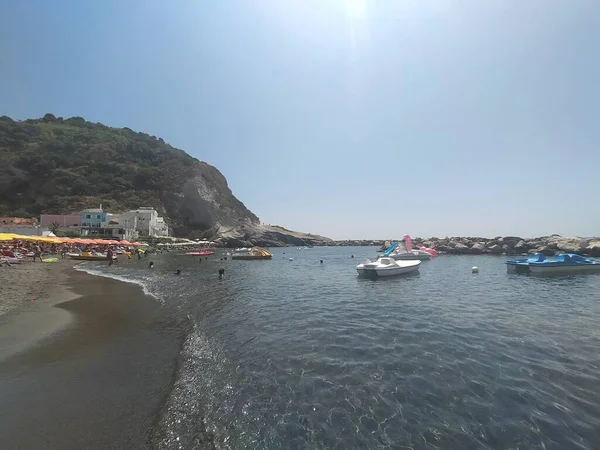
(295, 353)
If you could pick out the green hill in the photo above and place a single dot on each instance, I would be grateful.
(55, 165)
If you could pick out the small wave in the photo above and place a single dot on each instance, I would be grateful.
(99, 273)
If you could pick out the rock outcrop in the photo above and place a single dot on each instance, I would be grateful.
(510, 245)
(268, 236)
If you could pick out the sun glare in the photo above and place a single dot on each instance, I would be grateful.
(356, 8)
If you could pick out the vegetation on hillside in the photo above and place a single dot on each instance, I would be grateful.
(55, 165)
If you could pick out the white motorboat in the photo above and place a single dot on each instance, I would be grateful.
(387, 267)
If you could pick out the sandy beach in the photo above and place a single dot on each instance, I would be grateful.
(87, 364)
(20, 283)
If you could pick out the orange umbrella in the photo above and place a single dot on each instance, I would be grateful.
(125, 242)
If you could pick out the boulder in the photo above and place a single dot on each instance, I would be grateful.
(496, 249)
(511, 241)
(546, 251)
(593, 249)
(521, 247)
(478, 248)
(460, 249)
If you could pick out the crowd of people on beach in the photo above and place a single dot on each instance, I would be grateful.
(17, 251)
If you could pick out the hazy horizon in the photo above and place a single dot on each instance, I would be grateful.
(352, 119)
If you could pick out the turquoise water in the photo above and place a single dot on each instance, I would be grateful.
(303, 355)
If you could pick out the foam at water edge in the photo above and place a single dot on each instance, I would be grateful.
(83, 268)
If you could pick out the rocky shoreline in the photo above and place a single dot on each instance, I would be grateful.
(508, 245)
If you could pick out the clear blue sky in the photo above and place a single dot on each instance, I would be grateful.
(348, 118)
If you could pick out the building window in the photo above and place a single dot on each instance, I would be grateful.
(87, 216)
(98, 216)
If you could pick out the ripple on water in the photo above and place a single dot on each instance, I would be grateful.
(298, 354)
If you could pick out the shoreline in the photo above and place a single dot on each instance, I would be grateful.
(91, 362)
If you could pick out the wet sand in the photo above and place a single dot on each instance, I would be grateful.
(88, 366)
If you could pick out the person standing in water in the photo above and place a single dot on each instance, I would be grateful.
(109, 255)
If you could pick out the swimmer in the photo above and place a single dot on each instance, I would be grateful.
(151, 265)
(178, 272)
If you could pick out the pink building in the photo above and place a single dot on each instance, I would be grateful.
(63, 220)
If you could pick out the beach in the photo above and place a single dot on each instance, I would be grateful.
(87, 364)
(21, 283)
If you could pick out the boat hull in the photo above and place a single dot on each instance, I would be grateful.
(12, 260)
(376, 269)
(411, 256)
(580, 268)
(561, 264)
(90, 258)
(251, 257)
(387, 272)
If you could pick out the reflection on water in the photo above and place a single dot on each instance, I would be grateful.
(298, 354)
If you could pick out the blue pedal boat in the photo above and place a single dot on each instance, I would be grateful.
(562, 263)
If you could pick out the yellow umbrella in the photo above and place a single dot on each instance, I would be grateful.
(9, 236)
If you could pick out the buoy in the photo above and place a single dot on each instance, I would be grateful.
(474, 269)
(291, 259)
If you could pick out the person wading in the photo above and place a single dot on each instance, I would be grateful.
(109, 255)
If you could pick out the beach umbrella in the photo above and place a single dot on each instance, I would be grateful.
(137, 244)
(125, 242)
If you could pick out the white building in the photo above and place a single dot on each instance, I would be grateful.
(146, 221)
(162, 229)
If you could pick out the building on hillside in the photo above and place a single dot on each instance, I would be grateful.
(147, 222)
(64, 221)
(113, 232)
(93, 218)
(19, 225)
(97, 223)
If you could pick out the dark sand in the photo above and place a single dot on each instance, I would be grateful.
(92, 373)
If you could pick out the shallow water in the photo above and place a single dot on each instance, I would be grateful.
(299, 354)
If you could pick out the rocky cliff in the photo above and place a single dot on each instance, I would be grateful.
(56, 166)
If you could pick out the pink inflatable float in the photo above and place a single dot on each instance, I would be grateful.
(408, 245)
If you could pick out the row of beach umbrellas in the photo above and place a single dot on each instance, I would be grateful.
(63, 240)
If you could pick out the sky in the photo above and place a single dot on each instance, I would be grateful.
(354, 119)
